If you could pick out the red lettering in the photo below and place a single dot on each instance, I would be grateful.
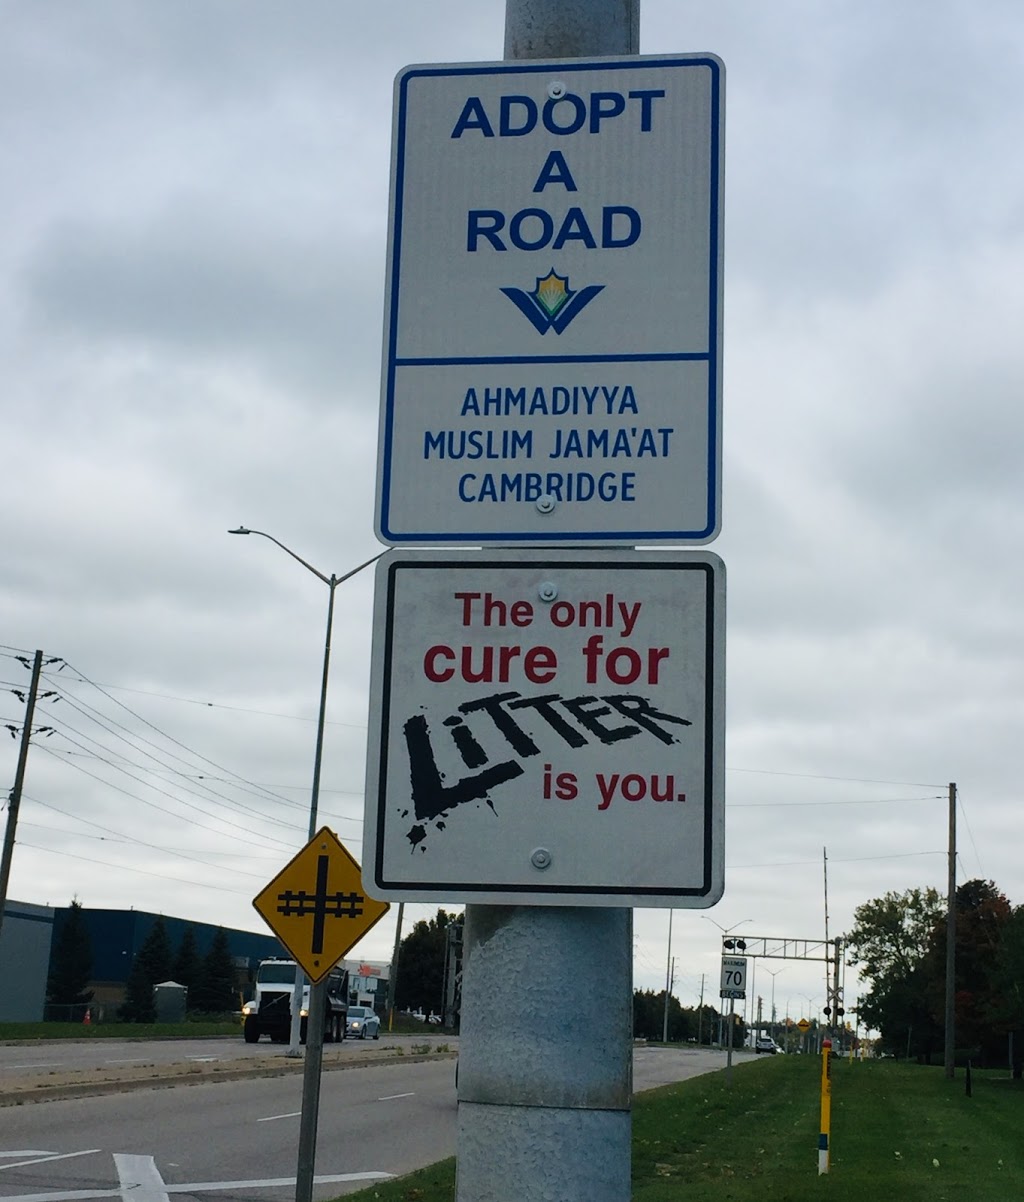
(429, 660)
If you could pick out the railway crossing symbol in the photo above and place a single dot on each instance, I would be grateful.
(317, 907)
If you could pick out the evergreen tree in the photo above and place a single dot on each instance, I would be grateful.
(215, 991)
(151, 966)
(187, 963)
(68, 982)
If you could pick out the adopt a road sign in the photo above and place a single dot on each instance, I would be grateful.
(547, 731)
(553, 315)
(734, 977)
(317, 907)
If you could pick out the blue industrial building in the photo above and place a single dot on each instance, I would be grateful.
(30, 933)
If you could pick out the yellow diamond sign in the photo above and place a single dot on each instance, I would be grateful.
(316, 905)
(804, 1025)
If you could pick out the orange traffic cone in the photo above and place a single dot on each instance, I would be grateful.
(87, 1020)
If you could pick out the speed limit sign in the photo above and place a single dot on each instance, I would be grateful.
(734, 977)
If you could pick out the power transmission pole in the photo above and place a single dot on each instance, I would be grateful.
(950, 1035)
(19, 780)
(393, 974)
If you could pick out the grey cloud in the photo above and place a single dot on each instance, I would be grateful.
(194, 281)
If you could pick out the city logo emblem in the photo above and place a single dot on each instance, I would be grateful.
(552, 304)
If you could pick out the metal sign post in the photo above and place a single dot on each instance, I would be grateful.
(734, 985)
(317, 908)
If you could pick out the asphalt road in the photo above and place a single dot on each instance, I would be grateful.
(236, 1141)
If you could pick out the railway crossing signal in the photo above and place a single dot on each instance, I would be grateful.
(317, 907)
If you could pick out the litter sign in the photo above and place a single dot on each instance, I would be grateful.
(547, 731)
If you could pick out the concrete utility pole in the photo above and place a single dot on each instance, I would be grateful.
(669, 974)
(544, 1112)
(949, 1046)
(14, 803)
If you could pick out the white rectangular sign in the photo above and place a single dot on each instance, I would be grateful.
(547, 732)
(734, 977)
(552, 350)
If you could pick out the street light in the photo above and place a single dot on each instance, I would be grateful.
(726, 930)
(735, 945)
(332, 583)
(317, 997)
(731, 945)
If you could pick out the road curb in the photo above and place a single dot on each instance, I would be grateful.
(191, 1074)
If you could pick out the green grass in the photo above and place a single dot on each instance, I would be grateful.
(193, 1030)
(758, 1140)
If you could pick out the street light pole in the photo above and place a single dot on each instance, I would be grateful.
(317, 994)
(332, 583)
(773, 974)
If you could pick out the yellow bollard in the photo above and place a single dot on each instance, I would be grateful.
(826, 1105)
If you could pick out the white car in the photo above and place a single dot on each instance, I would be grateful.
(362, 1023)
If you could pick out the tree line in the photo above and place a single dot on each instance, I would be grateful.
(686, 1024)
(899, 943)
(209, 978)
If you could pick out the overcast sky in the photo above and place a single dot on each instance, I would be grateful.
(192, 253)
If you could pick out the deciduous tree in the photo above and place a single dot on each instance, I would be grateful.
(890, 942)
(421, 960)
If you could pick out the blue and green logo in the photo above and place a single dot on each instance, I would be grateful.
(552, 305)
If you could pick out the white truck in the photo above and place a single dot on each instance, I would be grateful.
(269, 1011)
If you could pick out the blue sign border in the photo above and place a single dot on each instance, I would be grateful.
(712, 357)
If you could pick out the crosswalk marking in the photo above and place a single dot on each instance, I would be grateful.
(139, 1178)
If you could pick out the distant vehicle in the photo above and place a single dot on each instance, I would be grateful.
(363, 1023)
(269, 1011)
(768, 1046)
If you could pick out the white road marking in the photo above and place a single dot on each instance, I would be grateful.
(40, 1064)
(272, 1118)
(139, 1178)
(85, 1195)
(269, 1183)
(203, 1059)
(391, 1096)
(131, 1060)
(28, 1152)
(43, 1157)
(66, 1195)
